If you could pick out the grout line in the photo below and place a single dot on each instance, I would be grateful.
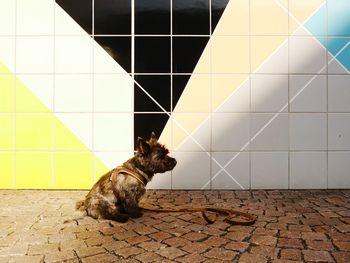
(211, 96)
(171, 84)
(288, 65)
(250, 94)
(15, 102)
(53, 97)
(327, 71)
(133, 70)
(93, 95)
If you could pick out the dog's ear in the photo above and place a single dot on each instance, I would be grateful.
(142, 146)
(153, 138)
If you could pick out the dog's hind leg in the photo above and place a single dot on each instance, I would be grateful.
(100, 208)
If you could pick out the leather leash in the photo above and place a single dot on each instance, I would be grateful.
(248, 219)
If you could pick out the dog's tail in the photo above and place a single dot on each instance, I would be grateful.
(80, 205)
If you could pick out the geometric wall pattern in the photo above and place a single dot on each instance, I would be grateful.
(246, 94)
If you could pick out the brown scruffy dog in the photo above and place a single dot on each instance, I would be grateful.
(117, 194)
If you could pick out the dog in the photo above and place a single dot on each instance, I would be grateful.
(117, 194)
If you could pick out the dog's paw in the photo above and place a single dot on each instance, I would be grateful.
(135, 214)
(119, 217)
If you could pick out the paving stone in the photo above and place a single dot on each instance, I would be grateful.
(151, 245)
(60, 256)
(291, 254)
(128, 251)
(105, 258)
(290, 243)
(342, 245)
(171, 252)
(317, 256)
(341, 257)
(149, 257)
(220, 254)
(252, 258)
(89, 251)
(237, 246)
(319, 245)
(264, 240)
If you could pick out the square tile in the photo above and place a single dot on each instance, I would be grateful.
(230, 54)
(199, 87)
(118, 48)
(339, 131)
(152, 54)
(66, 25)
(230, 93)
(198, 139)
(269, 170)
(268, 18)
(186, 22)
(109, 135)
(73, 54)
(192, 170)
(152, 17)
(308, 93)
(7, 170)
(35, 54)
(73, 93)
(269, 93)
(34, 170)
(338, 11)
(112, 17)
(35, 17)
(269, 54)
(306, 55)
(230, 17)
(223, 137)
(338, 169)
(238, 169)
(7, 131)
(161, 181)
(73, 170)
(34, 132)
(7, 54)
(338, 93)
(308, 170)
(113, 93)
(73, 131)
(34, 92)
(308, 131)
(269, 132)
(7, 17)
(7, 93)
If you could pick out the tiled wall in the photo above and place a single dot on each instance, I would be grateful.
(247, 94)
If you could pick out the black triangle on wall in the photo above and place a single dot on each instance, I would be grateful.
(153, 42)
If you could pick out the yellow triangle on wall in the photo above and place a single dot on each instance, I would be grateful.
(41, 168)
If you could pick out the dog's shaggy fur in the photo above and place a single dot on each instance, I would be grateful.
(101, 202)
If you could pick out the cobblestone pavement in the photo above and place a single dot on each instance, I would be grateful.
(293, 226)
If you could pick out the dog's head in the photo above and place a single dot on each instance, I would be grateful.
(154, 156)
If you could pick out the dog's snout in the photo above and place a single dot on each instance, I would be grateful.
(174, 162)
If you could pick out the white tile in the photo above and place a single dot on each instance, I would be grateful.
(104, 63)
(80, 124)
(308, 93)
(113, 132)
(114, 159)
(113, 93)
(338, 169)
(73, 93)
(269, 170)
(65, 24)
(192, 170)
(160, 181)
(238, 170)
(269, 93)
(73, 54)
(35, 17)
(277, 63)
(308, 131)
(269, 132)
(306, 55)
(41, 86)
(34, 54)
(199, 139)
(7, 52)
(339, 131)
(7, 17)
(308, 170)
(230, 131)
(238, 100)
(338, 93)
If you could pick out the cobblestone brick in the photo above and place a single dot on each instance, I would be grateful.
(317, 256)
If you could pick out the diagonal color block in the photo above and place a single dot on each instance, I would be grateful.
(35, 131)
